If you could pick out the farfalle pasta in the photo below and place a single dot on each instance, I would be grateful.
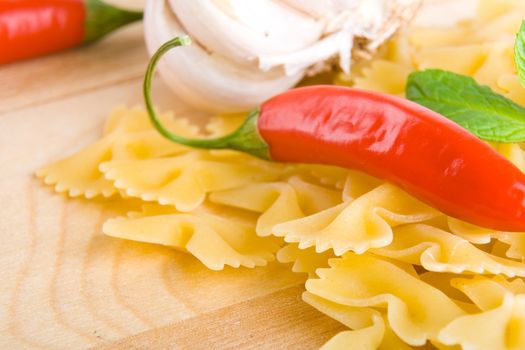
(304, 260)
(415, 310)
(440, 251)
(368, 327)
(501, 322)
(215, 237)
(127, 135)
(279, 202)
(356, 225)
(397, 272)
(184, 180)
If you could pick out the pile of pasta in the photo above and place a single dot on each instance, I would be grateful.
(397, 272)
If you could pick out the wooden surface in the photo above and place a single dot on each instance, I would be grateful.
(67, 286)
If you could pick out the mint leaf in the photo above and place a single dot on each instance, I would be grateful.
(475, 107)
(519, 53)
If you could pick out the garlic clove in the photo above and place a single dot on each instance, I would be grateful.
(243, 30)
(208, 81)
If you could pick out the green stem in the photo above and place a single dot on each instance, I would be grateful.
(246, 138)
(102, 19)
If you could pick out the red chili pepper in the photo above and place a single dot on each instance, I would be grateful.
(30, 28)
(394, 139)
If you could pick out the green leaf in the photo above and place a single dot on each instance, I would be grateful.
(519, 53)
(475, 107)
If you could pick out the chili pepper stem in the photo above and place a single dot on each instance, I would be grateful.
(246, 138)
(103, 18)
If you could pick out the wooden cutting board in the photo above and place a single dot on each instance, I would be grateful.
(64, 285)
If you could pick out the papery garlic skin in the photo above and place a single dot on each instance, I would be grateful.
(244, 51)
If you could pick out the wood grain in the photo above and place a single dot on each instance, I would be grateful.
(64, 284)
(53, 77)
(276, 316)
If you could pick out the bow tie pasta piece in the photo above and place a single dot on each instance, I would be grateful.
(279, 201)
(128, 136)
(369, 329)
(416, 311)
(78, 174)
(215, 239)
(367, 336)
(441, 251)
(479, 235)
(501, 322)
(304, 260)
(384, 76)
(184, 181)
(499, 328)
(356, 225)
(488, 292)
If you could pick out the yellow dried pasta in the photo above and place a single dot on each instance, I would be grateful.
(356, 225)
(369, 328)
(501, 322)
(304, 260)
(216, 239)
(184, 180)
(128, 134)
(415, 310)
(441, 251)
(367, 324)
(406, 275)
(499, 328)
(279, 202)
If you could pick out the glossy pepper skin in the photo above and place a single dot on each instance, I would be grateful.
(399, 141)
(30, 28)
(394, 139)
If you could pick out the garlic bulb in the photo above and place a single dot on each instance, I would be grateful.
(247, 51)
